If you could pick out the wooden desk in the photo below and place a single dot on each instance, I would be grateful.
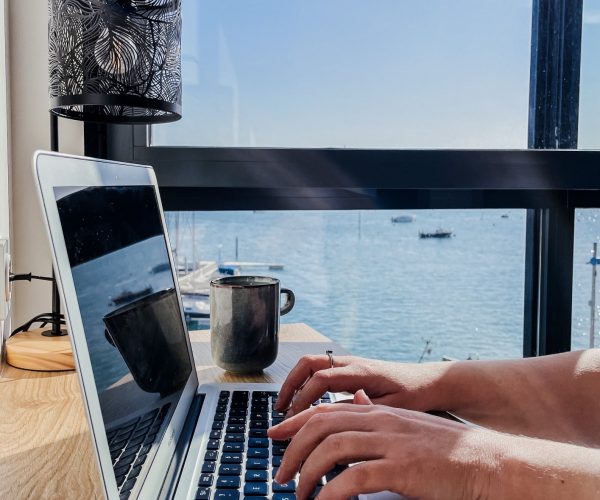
(45, 441)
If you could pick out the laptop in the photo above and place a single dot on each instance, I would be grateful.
(157, 433)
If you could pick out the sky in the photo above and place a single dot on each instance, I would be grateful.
(363, 74)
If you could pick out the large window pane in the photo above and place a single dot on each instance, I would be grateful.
(587, 232)
(373, 285)
(354, 73)
(589, 101)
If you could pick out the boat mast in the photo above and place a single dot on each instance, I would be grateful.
(594, 261)
(194, 262)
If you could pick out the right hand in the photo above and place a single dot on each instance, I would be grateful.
(393, 384)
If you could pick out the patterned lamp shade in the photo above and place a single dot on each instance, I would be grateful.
(115, 61)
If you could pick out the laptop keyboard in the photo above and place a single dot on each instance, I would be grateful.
(240, 460)
(129, 445)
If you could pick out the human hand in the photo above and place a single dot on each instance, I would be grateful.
(407, 452)
(388, 383)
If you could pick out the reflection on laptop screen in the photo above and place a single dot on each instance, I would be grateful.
(131, 317)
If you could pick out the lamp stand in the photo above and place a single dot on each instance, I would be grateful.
(43, 349)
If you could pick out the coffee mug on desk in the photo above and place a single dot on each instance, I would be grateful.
(244, 321)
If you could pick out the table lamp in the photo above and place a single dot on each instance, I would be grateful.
(110, 61)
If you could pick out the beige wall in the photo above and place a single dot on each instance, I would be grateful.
(4, 150)
(30, 130)
(4, 130)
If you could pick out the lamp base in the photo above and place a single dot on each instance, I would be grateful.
(32, 350)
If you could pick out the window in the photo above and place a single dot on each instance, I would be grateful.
(587, 232)
(354, 73)
(258, 143)
(373, 285)
(589, 117)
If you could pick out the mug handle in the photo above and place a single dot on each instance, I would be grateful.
(290, 301)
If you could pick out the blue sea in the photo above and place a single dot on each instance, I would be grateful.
(380, 291)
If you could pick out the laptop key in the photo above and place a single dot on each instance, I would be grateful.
(233, 428)
(135, 472)
(259, 416)
(211, 455)
(205, 480)
(257, 475)
(229, 482)
(209, 467)
(122, 470)
(231, 458)
(236, 420)
(230, 470)
(288, 487)
(277, 461)
(128, 485)
(259, 424)
(218, 425)
(233, 447)
(227, 495)
(258, 453)
(219, 416)
(257, 433)
(257, 463)
(215, 434)
(203, 493)
(258, 443)
(213, 444)
(256, 489)
(234, 438)
(284, 496)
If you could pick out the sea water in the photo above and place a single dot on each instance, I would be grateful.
(379, 290)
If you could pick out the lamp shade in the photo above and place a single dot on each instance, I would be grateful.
(115, 61)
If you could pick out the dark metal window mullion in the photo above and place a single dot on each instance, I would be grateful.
(553, 121)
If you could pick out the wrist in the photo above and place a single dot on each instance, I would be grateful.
(540, 469)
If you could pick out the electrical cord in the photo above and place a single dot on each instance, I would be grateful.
(29, 277)
(45, 318)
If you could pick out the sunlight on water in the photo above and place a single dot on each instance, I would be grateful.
(376, 287)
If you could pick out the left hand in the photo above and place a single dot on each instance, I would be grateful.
(404, 451)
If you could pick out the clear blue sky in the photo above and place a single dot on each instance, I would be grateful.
(361, 73)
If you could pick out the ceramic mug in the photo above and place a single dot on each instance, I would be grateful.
(244, 321)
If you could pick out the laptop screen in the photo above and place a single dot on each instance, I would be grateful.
(131, 316)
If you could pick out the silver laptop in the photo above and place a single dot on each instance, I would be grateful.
(156, 432)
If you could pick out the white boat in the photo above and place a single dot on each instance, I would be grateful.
(403, 218)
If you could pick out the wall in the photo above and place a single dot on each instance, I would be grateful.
(4, 144)
(30, 130)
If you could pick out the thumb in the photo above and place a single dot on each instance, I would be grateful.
(361, 398)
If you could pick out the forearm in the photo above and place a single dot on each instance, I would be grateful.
(552, 397)
(539, 469)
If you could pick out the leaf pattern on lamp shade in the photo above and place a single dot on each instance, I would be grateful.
(115, 60)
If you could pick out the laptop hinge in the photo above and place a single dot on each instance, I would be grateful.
(181, 449)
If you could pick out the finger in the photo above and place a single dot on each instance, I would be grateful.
(331, 379)
(289, 427)
(305, 368)
(340, 448)
(361, 398)
(321, 427)
(367, 477)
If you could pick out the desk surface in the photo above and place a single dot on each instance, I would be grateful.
(45, 445)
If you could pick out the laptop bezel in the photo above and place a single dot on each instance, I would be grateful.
(60, 170)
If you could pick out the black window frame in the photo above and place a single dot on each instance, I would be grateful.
(549, 184)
